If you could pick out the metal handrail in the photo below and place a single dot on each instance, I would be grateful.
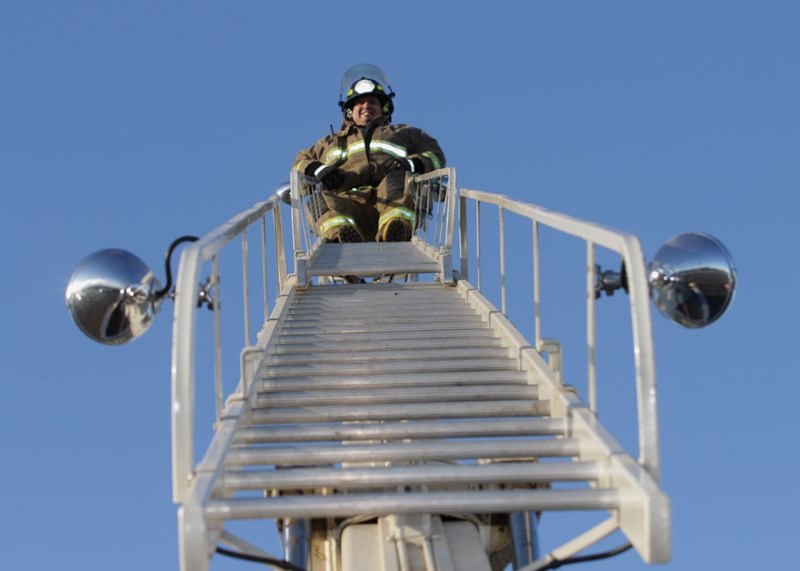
(629, 248)
(184, 382)
(305, 243)
(436, 196)
(193, 484)
(438, 232)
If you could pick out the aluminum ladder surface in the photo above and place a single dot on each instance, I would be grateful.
(402, 398)
(363, 259)
(363, 381)
(374, 259)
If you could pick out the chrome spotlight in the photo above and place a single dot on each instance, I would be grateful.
(112, 296)
(692, 280)
(284, 192)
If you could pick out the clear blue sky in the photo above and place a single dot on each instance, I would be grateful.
(127, 124)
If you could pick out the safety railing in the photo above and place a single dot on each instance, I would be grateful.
(196, 258)
(435, 200)
(435, 197)
(306, 196)
(201, 384)
(594, 235)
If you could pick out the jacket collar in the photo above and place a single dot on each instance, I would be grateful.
(348, 127)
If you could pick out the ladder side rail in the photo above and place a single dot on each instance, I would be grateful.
(279, 252)
(297, 191)
(591, 328)
(306, 193)
(426, 186)
(463, 244)
(264, 264)
(307, 205)
(630, 250)
(643, 514)
(537, 287)
(246, 289)
(502, 248)
(451, 201)
(218, 390)
(436, 195)
(183, 374)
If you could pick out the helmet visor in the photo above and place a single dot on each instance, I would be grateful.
(363, 79)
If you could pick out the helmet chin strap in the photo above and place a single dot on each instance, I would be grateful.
(348, 115)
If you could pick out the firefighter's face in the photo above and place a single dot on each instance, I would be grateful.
(365, 109)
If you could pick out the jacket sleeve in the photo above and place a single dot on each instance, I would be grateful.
(425, 148)
(309, 156)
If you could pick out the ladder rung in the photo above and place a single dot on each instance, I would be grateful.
(291, 337)
(401, 366)
(331, 290)
(362, 293)
(356, 317)
(387, 355)
(395, 312)
(399, 430)
(416, 451)
(355, 396)
(343, 330)
(393, 379)
(492, 409)
(346, 505)
(420, 475)
(418, 310)
(416, 343)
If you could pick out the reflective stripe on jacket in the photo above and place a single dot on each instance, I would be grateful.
(365, 164)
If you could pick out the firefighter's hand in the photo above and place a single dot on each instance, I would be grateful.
(331, 177)
(414, 166)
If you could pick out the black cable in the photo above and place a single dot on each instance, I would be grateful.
(555, 563)
(259, 559)
(167, 263)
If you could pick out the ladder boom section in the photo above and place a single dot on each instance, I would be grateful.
(392, 409)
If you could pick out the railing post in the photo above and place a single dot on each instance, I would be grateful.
(591, 349)
(537, 310)
(297, 240)
(451, 197)
(502, 225)
(217, 337)
(264, 279)
(478, 241)
(464, 238)
(644, 354)
(246, 289)
(183, 373)
(280, 252)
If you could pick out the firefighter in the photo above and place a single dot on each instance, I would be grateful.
(364, 168)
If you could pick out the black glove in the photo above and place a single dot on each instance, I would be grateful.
(414, 166)
(331, 176)
(438, 191)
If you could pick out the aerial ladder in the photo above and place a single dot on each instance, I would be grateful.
(382, 413)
